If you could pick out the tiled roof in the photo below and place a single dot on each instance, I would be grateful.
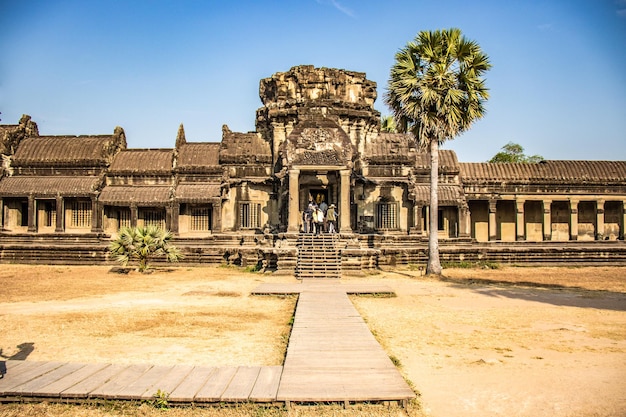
(547, 171)
(239, 148)
(139, 194)
(447, 161)
(142, 161)
(198, 192)
(193, 155)
(391, 148)
(48, 186)
(447, 194)
(64, 151)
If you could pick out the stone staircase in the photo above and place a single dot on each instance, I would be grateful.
(319, 256)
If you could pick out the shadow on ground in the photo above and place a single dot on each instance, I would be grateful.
(558, 295)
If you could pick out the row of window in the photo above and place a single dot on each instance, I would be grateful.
(80, 215)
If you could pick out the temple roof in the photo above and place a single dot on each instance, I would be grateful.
(143, 161)
(51, 186)
(243, 148)
(197, 155)
(447, 194)
(65, 151)
(447, 161)
(198, 192)
(138, 194)
(394, 148)
(544, 172)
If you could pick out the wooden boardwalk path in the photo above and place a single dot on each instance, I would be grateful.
(331, 357)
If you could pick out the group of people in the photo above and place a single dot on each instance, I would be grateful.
(320, 218)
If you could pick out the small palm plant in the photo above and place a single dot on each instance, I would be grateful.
(143, 244)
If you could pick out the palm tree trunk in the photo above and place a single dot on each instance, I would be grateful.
(434, 266)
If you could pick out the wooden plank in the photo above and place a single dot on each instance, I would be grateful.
(57, 387)
(83, 388)
(266, 386)
(115, 386)
(169, 382)
(216, 384)
(32, 387)
(10, 383)
(332, 355)
(241, 385)
(136, 389)
(187, 389)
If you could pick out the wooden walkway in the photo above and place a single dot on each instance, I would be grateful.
(331, 357)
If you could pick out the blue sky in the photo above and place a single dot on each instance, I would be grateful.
(558, 82)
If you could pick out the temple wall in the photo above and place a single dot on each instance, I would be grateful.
(479, 215)
(366, 209)
(505, 218)
(533, 218)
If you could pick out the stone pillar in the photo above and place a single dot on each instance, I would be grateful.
(294, 200)
(520, 225)
(573, 220)
(32, 214)
(493, 225)
(217, 217)
(418, 223)
(168, 218)
(175, 218)
(134, 213)
(623, 225)
(464, 221)
(344, 202)
(600, 220)
(60, 211)
(96, 216)
(547, 221)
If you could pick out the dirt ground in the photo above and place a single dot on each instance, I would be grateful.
(504, 342)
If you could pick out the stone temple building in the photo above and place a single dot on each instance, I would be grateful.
(318, 138)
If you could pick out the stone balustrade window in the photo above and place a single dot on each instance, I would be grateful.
(200, 219)
(387, 215)
(80, 214)
(153, 217)
(249, 215)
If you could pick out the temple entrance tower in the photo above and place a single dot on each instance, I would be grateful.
(318, 122)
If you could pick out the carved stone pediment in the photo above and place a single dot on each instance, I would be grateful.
(317, 142)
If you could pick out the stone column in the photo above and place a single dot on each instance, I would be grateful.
(493, 225)
(573, 220)
(418, 223)
(600, 220)
(60, 211)
(623, 226)
(2, 214)
(217, 217)
(547, 221)
(134, 213)
(32, 214)
(520, 225)
(96, 215)
(344, 202)
(294, 200)
(464, 221)
(171, 218)
(175, 217)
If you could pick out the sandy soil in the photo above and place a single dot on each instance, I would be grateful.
(472, 345)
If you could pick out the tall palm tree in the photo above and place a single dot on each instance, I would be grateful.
(387, 124)
(436, 91)
(143, 244)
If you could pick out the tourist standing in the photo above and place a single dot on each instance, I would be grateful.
(331, 219)
(307, 218)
